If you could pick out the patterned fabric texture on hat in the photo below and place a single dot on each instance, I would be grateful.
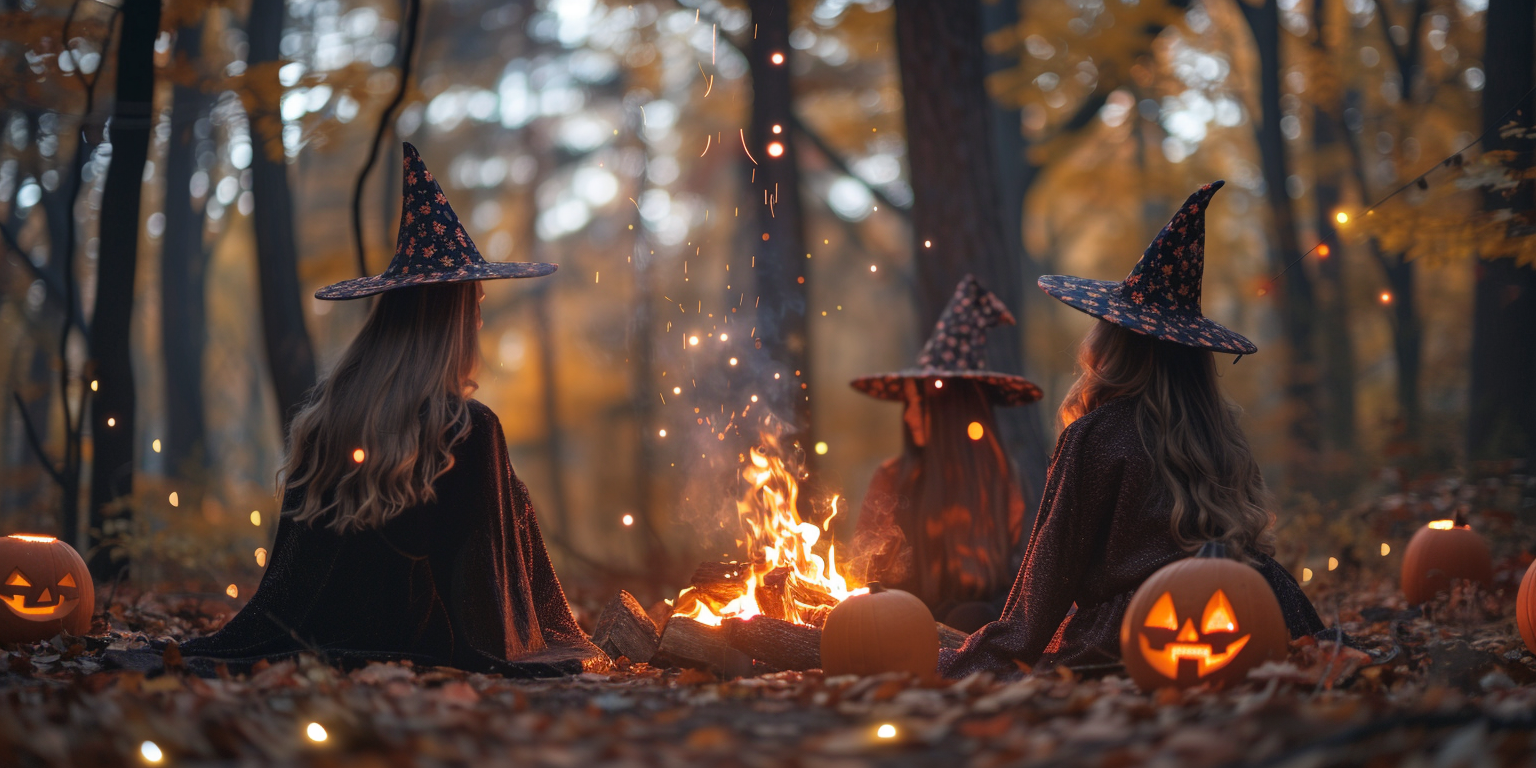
(957, 349)
(432, 246)
(1161, 296)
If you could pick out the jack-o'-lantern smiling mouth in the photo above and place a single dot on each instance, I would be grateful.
(1218, 622)
(45, 607)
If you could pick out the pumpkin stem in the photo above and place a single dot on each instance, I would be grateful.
(1212, 549)
(1460, 518)
(876, 587)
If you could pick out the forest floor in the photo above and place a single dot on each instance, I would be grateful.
(1446, 684)
(1456, 690)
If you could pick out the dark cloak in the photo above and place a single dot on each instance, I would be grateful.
(1102, 529)
(944, 520)
(462, 581)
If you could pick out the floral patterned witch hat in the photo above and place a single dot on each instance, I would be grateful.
(956, 351)
(432, 247)
(1161, 296)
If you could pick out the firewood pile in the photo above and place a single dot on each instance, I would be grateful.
(737, 647)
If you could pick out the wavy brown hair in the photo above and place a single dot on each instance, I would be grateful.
(1189, 429)
(399, 395)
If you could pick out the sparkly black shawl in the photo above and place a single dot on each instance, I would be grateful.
(462, 581)
(1101, 531)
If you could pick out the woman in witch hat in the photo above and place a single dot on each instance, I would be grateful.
(944, 519)
(405, 535)
(1150, 464)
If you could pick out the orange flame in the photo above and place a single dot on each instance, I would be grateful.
(786, 577)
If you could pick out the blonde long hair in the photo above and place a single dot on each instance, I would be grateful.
(1189, 429)
(399, 395)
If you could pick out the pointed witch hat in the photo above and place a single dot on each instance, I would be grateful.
(956, 350)
(432, 246)
(1161, 296)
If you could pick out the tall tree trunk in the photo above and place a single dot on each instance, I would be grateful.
(290, 355)
(183, 259)
(1407, 339)
(1022, 430)
(1501, 422)
(112, 414)
(957, 205)
(1333, 299)
(1294, 289)
(780, 263)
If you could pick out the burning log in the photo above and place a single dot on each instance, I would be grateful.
(721, 582)
(687, 643)
(778, 644)
(624, 629)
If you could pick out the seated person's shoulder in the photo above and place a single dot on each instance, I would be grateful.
(1107, 433)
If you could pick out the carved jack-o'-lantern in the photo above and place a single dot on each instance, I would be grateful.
(1206, 619)
(45, 587)
(1442, 551)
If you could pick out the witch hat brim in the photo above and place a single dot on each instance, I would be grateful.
(1101, 298)
(359, 287)
(432, 246)
(1161, 296)
(1002, 388)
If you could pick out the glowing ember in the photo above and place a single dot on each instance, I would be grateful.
(788, 578)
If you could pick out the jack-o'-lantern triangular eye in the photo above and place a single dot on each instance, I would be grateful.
(68, 580)
(1218, 614)
(17, 580)
(1162, 615)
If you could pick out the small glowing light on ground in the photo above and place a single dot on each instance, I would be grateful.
(661, 433)
(1385, 297)
(151, 752)
(776, 58)
(754, 398)
(94, 385)
(111, 421)
(1341, 217)
(1306, 575)
(886, 731)
(358, 455)
(975, 431)
(316, 732)
(175, 500)
(821, 449)
(733, 361)
(261, 557)
(693, 341)
(775, 149)
(255, 517)
(628, 520)
(939, 384)
(1386, 549)
(155, 446)
(1323, 251)
(1333, 563)
(232, 591)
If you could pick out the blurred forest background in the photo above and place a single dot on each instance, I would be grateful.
(751, 203)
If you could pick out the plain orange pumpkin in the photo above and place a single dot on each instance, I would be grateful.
(45, 587)
(1206, 619)
(1440, 552)
(1525, 608)
(886, 630)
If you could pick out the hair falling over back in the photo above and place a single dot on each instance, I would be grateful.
(1189, 429)
(400, 396)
